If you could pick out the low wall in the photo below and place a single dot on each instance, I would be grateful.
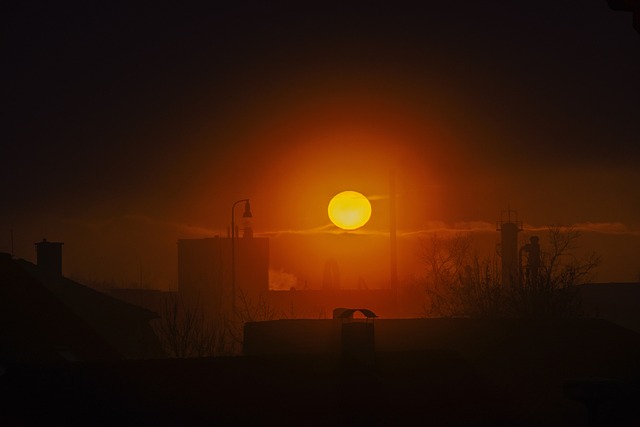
(590, 339)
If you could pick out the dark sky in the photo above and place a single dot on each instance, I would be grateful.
(170, 113)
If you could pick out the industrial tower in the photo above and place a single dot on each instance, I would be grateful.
(509, 227)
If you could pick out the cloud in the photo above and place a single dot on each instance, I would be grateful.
(478, 226)
(440, 227)
(378, 197)
(430, 228)
(324, 229)
(606, 228)
(611, 228)
(327, 228)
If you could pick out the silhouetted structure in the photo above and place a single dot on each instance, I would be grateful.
(509, 227)
(56, 319)
(530, 274)
(248, 232)
(204, 270)
(393, 225)
(37, 327)
(357, 337)
(49, 257)
(347, 313)
(204, 279)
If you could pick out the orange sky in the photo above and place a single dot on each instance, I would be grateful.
(154, 140)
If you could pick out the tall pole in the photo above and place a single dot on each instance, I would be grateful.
(393, 246)
(233, 252)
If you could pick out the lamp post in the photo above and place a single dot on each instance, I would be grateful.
(247, 214)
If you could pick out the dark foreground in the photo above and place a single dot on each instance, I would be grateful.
(489, 373)
(420, 388)
(434, 389)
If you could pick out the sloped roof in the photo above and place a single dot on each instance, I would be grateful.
(82, 298)
(35, 326)
(124, 325)
(121, 326)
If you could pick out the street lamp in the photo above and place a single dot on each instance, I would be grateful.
(247, 214)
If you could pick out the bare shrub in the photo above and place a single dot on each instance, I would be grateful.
(185, 331)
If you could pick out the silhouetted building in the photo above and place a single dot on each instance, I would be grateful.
(204, 279)
(55, 319)
(38, 327)
(205, 276)
(49, 257)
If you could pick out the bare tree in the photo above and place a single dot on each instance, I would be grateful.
(553, 291)
(185, 331)
(248, 309)
(457, 281)
(460, 283)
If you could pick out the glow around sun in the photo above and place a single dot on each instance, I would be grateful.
(349, 210)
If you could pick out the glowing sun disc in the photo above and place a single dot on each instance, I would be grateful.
(349, 210)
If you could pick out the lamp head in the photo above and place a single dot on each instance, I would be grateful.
(247, 210)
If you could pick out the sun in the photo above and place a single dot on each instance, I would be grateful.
(349, 210)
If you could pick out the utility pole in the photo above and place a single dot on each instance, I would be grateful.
(393, 244)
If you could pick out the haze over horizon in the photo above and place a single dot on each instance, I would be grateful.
(129, 127)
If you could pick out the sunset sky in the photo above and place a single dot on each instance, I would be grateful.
(127, 128)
